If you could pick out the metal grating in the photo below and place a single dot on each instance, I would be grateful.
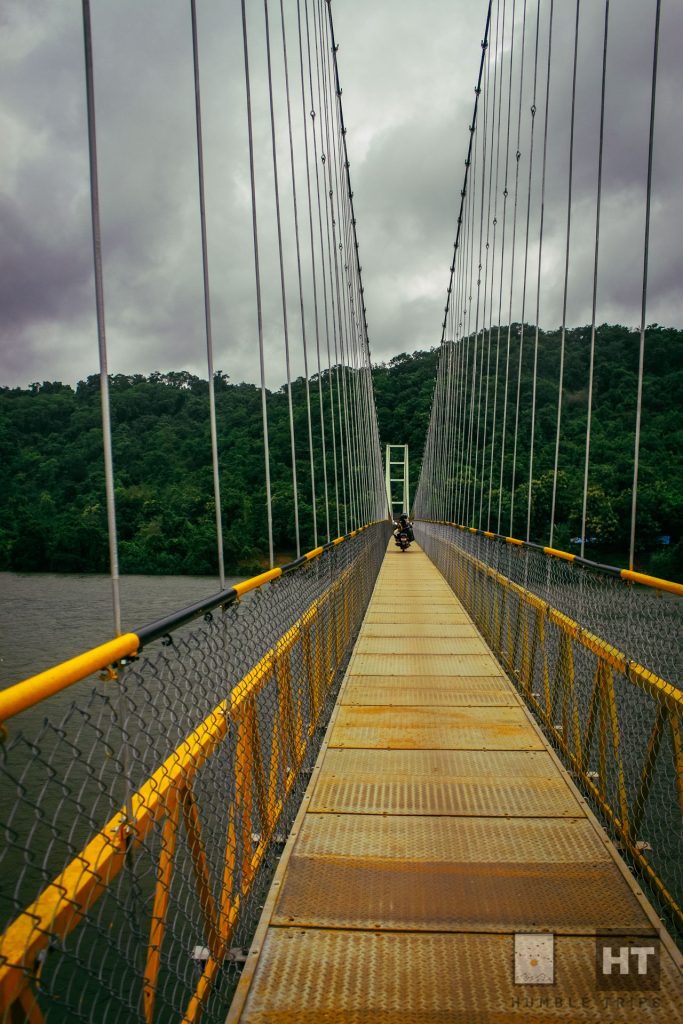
(441, 692)
(422, 645)
(384, 602)
(436, 616)
(349, 977)
(399, 627)
(467, 782)
(426, 665)
(435, 728)
(460, 874)
(434, 839)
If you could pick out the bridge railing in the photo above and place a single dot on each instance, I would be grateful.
(146, 809)
(597, 655)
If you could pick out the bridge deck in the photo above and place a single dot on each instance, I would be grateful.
(438, 823)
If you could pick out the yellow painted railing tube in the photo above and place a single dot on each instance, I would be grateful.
(566, 555)
(257, 581)
(31, 691)
(652, 581)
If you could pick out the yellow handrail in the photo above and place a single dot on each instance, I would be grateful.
(29, 692)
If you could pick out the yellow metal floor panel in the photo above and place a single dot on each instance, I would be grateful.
(473, 663)
(460, 874)
(488, 783)
(392, 598)
(434, 728)
(422, 645)
(417, 617)
(372, 690)
(311, 976)
(437, 824)
(395, 627)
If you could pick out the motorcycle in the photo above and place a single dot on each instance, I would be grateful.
(403, 540)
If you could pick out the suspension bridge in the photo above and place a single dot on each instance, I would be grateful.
(372, 785)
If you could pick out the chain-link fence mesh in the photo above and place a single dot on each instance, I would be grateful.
(196, 756)
(599, 661)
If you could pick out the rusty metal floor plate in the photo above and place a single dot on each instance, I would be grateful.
(393, 597)
(441, 691)
(398, 628)
(434, 728)
(436, 616)
(430, 646)
(454, 874)
(438, 824)
(311, 976)
(473, 664)
(488, 783)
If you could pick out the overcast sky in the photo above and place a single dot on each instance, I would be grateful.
(408, 72)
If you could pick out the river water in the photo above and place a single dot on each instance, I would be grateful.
(46, 618)
(60, 762)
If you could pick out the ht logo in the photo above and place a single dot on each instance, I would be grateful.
(627, 963)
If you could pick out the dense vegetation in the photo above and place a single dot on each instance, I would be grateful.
(52, 509)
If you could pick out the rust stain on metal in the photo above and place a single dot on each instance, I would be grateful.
(444, 728)
(439, 691)
(427, 665)
(372, 977)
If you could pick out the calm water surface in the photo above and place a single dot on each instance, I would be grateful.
(46, 618)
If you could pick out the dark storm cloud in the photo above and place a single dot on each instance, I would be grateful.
(408, 74)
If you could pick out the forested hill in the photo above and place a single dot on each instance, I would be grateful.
(52, 512)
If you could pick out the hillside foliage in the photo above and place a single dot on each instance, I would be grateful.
(52, 506)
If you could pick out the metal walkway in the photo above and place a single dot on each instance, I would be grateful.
(437, 825)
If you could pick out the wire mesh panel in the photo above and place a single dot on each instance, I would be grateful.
(144, 815)
(600, 663)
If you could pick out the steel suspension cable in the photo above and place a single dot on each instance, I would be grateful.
(512, 257)
(452, 293)
(207, 298)
(360, 423)
(479, 269)
(322, 253)
(643, 308)
(469, 151)
(524, 278)
(335, 369)
(471, 341)
(299, 278)
(502, 264)
(589, 411)
(495, 229)
(486, 274)
(538, 277)
(464, 341)
(342, 395)
(566, 277)
(285, 322)
(313, 274)
(259, 311)
(101, 324)
(359, 329)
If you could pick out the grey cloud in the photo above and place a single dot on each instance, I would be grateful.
(408, 73)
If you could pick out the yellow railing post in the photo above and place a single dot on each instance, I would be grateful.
(201, 868)
(162, 895)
